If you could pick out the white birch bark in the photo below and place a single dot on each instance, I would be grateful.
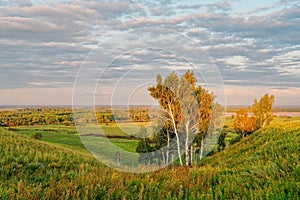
(176, 134)
(201, 149)
(168, 148)
(187, 158)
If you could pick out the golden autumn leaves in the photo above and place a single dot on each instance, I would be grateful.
(262, 115)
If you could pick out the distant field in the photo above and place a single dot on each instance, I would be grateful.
(278, 109)
(67, 135)
(279, 114)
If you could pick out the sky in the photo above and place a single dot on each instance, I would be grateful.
(48, 48)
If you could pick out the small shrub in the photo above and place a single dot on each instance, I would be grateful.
(235, 140)
(37, 136)
(221, 141)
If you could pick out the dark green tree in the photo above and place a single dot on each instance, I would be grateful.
(221, 141)
(144, 147)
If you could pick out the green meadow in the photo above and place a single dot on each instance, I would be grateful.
(67, 135)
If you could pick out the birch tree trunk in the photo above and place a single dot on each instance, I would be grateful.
(191, 154)
(201, 149)
(163, 156)
(187, 157)
(168, 148)
(194, 153)
(176, 134)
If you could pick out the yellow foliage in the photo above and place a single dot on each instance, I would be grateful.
(243, 123)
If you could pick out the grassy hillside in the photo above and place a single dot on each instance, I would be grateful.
(266, 164)
(263, 166)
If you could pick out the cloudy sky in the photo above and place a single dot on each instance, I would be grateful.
(254, 45)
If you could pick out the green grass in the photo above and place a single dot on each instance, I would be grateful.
(67, 135)
(265, 165)
(62, 135)
(285, 119)
(127, 145)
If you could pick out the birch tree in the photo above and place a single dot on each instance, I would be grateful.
(205, 100)
(167, 95)
(244, 124)
(187, 109)
(189, 112)
(262, 110)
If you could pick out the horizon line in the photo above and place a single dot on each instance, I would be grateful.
(70, 105)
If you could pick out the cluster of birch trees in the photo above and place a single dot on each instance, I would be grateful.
(262, 115)
(187, 111)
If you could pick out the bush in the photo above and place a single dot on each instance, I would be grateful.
(235, 140)
(37, 136)
(221, 141)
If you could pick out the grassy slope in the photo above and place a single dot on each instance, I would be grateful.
(267, 162)
(264, 165)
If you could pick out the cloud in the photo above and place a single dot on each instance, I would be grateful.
(30, 25)
(288, 63)
(236, 61)
(44, 44)
(20, 3)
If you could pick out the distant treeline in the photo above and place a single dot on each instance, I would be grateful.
(36, 116)
(64, 116)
